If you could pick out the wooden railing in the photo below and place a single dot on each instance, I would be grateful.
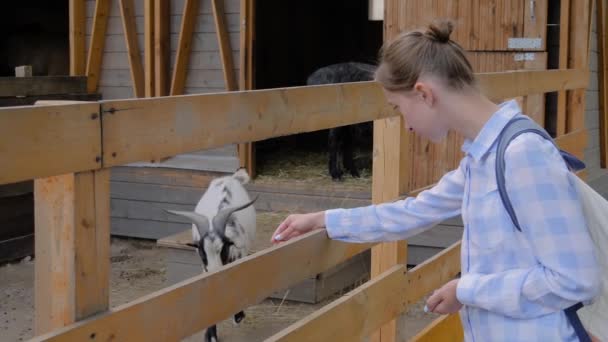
(69, 149)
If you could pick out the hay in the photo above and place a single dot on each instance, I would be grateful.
(309, 167)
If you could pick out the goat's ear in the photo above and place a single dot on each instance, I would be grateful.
(241, 175)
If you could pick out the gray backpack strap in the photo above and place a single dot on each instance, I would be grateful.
(512, 130)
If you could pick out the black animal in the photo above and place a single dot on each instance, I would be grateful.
(341, 140)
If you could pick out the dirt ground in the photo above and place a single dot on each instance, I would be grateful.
(138, 268)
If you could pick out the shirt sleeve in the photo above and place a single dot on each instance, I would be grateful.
(551, 217)
(400, 219)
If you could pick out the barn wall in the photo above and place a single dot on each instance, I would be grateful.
(204, 75)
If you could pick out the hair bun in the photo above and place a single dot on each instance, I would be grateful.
(440, 30)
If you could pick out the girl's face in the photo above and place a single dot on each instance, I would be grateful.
(420, 111)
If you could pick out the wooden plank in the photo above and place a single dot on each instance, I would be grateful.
(224, 41)
(98, 38)
(72, 248)
(277, 112)
(446, 328)
(246, 150)
(535, 22)
(34, 141)
(30, 100)
(502, 85)
(149, 65)
(366, 308)
(151, 129)
(386, 183)
(578, 54)
(128, 23)
(602, 38)
(132, 321)
(185, 44)
(161, 47)
(564, 36)
(42, 85)
(77, 17)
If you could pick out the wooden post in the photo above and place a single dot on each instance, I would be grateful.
(72, 247)
(389, 135)
(98, 38)
(564, 31)
(72, 241)
(602, 39)
(77, 42)
(161, 46)
(149, 48)
(127, 11)
(246, 151)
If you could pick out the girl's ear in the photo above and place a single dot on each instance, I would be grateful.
(424, 92)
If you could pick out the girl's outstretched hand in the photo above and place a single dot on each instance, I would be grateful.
(298, 224)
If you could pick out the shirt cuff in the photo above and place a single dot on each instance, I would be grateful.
(333, 218)
(465, 291)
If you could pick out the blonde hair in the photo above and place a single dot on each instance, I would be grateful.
(431, 52)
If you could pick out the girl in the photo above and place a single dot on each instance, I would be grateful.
(514, 285)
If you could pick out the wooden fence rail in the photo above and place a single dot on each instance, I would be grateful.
(34, 141)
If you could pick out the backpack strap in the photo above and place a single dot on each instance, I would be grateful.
(513, 129)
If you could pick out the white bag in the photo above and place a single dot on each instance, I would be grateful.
(594, 316)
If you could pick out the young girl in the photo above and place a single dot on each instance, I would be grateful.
(514, 285)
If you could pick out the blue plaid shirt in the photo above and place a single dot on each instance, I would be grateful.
(514, 285)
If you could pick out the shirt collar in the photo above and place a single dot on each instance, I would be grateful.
(490, 131)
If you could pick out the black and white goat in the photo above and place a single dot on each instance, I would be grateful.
(223, 227)
(341, 140)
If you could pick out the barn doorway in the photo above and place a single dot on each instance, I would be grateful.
(292, 40)
(35, 32)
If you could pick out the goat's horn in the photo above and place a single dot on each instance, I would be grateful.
(200, 221)
(219, 221)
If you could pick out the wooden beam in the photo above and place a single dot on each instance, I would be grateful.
(151, 129)
(386, 185)
(161, 46)
(192, 297)
(127, 11)
(580, 14)
(602, 40)
(224, 41)
(564, 31)
(246, 151)
(72, 222)
(503, 85)
(34, 141)
(77, 42)
(446, 328)
(212, 120)
(189, 16)
(149, 89)
(42, 85)
(98, 39)
(354, 316)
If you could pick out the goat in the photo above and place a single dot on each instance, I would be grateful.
(342, 139)
(223, 227)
